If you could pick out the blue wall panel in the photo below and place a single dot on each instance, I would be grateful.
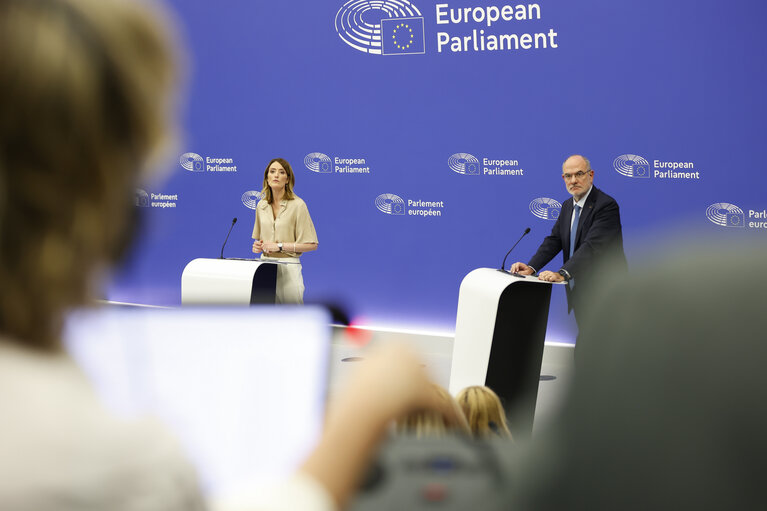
(678, 81)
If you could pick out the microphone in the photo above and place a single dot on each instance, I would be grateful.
(234, 221)
(503, 265)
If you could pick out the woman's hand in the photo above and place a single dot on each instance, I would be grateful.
(269, 246)
(390, 382)
(258, 246)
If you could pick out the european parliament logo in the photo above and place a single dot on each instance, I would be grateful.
(192, 162)
(381, 27)
(726, 215)
(318, 162)
(142, 198)
(632, 165)
(464, 163)
(251, 198)
(390, 204)
(545, 208)
(402, 36)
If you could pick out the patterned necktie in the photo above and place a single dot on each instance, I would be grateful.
(574, 228)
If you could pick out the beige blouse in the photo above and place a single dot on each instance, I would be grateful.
(292, 225)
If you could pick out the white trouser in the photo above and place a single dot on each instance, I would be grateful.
(290, 282)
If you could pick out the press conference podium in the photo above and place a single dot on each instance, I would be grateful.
(228, 282)
(500, 331)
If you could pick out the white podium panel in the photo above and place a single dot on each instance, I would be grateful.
(228, 282)
(500, 330)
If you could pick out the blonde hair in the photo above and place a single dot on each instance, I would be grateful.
(433, 423)
(484, 411)
(84, 94)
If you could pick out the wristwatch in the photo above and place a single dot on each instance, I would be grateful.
(279, 246)
(565, 275)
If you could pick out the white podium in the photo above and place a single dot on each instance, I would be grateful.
(228, 282)
(500, 330)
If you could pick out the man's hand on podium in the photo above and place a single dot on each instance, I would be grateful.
(521, 268)
(550, 276)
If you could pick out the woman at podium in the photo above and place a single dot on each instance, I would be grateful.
(283, 230)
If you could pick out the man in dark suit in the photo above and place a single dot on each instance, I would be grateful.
(587, 231)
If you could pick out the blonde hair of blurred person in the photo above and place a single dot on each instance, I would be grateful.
(484, 411)
(448, 418)
(85, 88)
(84, 95)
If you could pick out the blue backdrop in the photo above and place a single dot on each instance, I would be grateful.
(427, 155)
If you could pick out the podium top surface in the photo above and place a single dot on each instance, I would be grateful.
(209, 261)
(505, 276)
(492, 281)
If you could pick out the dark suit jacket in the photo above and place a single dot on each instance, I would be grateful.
(599, 237)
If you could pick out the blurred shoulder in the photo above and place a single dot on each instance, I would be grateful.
(62, 449)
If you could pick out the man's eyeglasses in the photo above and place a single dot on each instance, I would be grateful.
(578, 175)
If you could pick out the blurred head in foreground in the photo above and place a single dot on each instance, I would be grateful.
(433, 423)
(84, 109)
(483, 411)
(84, 96)
(669, 404)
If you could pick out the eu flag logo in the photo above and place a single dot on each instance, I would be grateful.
(641, 170)
(402, 36)
(736, 219)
